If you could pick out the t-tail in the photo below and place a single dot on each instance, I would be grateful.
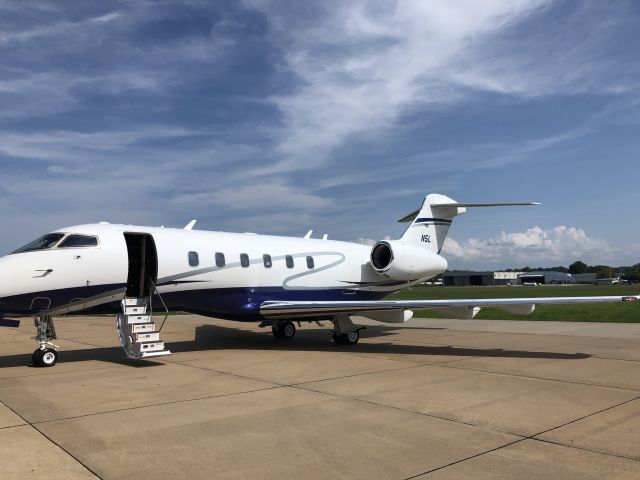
(430, 223)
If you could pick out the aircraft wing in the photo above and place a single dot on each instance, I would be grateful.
(464, 308)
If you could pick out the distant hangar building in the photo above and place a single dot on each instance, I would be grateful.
(463, 278)
(546, 278)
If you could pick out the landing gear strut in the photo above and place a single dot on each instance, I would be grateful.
(283, 329)
(46, 354)
(344, 331)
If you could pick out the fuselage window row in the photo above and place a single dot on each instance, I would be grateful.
(194, 260)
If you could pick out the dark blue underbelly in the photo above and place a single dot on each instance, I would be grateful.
(240, 303)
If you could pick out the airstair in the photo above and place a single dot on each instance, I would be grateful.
(137, 329)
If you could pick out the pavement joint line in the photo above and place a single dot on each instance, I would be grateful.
(27, 422)
(47, 373)
(532, 377)
(530, 437)
(587, 416)
(212, 370)
(300, 386)
(300, 383)
(617, 359)
(139, 407)
(471, 457)
(393, 407)
(617, 455)
(15, 426)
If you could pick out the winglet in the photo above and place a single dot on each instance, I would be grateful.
(190, 225)
(308, 235)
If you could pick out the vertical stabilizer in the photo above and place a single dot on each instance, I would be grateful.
(430, 224)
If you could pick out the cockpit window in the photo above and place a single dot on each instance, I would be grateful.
(75, 241)
(42, 243)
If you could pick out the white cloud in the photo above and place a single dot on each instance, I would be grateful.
(363, 64)
(57, 29)
(370, 241)
(266, 196)
(533, 247)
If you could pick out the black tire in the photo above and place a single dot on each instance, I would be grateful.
(350, 338)
(48, 357)
(284, 330)
(35, 358)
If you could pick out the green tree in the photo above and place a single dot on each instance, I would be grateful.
(577, 267)
(602, 271)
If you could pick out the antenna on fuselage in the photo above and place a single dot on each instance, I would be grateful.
(189, 226)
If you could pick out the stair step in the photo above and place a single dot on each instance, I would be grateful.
(143, 327)
(134, 319)
(156, 354)
(134, 302)
(142, 347)
(148, 337)
(136, 310)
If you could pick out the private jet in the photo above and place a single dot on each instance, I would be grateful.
(134, 272)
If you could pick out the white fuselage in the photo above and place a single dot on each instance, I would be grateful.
(188, 274)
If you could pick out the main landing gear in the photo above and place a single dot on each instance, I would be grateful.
(46, 354)
(344, 331)
(283, 329)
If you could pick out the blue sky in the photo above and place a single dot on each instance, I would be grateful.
(280, 116)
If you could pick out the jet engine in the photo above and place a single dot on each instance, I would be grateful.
(399, 261)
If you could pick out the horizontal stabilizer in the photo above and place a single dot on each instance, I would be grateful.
(508, 204)
(412, 216)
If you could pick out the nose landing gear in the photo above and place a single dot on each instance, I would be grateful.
(46, 354)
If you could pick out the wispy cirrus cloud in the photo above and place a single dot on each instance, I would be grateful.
(363, 65)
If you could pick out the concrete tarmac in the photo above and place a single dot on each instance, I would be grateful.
(432, 399)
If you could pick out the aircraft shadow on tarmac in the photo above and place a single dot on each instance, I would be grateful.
(214, 337)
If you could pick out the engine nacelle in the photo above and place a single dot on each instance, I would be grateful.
(400, 261)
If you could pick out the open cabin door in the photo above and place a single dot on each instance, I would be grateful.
(143, 264)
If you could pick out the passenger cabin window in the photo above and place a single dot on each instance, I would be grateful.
(43, 243)
(193, 259)
(289, 261)
(244, 260)
(220, 259)
(266, 258)
(76, 241)
(309, 262)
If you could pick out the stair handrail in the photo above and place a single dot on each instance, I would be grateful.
(166, 309)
